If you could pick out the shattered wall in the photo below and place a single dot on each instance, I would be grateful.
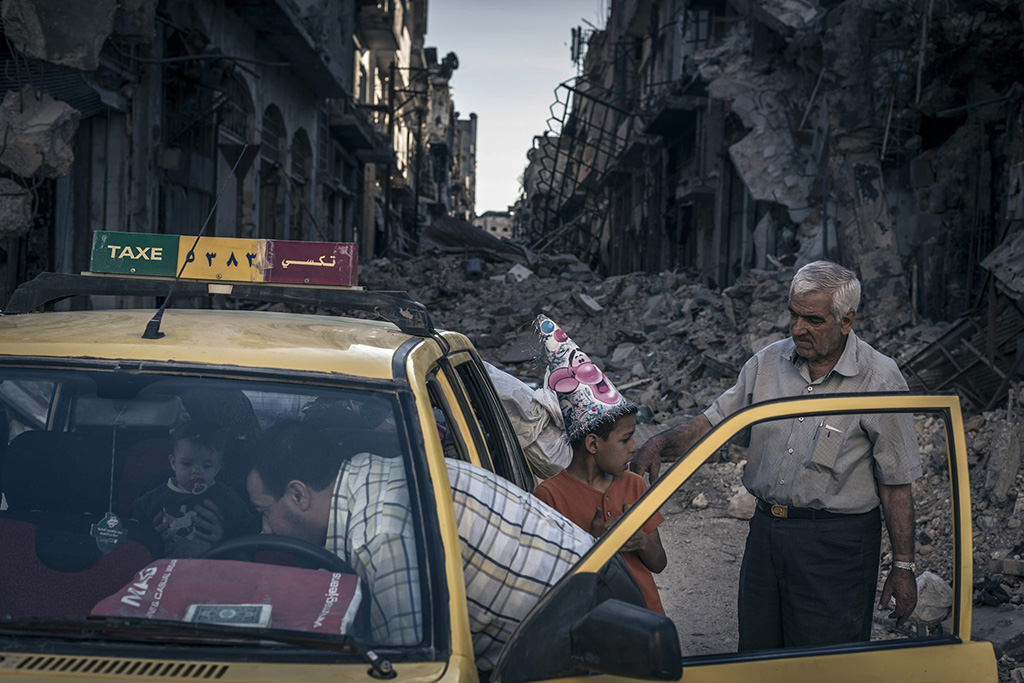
(66, 32)
(883, 134)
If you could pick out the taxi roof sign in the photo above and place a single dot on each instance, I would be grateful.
(225, 259)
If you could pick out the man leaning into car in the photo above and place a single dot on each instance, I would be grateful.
(358, 507)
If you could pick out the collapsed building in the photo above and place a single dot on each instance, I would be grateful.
(282, 119)
(722, 136)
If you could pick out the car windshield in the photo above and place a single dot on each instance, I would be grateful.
(139, 496)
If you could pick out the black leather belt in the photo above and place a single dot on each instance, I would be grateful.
(786, 512)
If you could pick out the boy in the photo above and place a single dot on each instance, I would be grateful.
(597, 487)
(192, 512)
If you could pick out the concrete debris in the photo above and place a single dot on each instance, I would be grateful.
(135, 21)
(741, 505)
(1004, 459)
(588, 303)
(473, 268)
(455, 236)
(1006, 263)
(1005, 634)
(40, 134)
(769, 151)
(56, 30)
(517, 273)
(1013, 567)
(934, 598)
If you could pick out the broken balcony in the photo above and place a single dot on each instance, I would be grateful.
(350, 127)
(380, 24)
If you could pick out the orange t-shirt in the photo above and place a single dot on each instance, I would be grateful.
(578, 502)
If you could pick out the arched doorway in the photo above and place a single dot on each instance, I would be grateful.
(273, 137)
(236, 129)
(303, 223)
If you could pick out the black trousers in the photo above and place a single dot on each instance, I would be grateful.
(808, 582)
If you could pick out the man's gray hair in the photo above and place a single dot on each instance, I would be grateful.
(825, 276)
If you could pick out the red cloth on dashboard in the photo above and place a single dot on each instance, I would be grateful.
(300, 599)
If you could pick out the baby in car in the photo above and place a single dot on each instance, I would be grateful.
(191, 511)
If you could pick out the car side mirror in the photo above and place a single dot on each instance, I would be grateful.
(621, 639)
(582, 627)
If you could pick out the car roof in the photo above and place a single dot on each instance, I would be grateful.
(259, 339)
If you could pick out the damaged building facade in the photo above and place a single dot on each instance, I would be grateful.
(287, 119)
(719, 136)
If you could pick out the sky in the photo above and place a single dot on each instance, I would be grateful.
(512, 55)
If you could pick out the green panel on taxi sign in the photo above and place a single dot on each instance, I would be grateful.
(134, 253)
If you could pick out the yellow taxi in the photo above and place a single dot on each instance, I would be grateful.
(97, 405)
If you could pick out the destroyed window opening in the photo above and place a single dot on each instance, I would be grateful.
(576, 162)
(202, 117)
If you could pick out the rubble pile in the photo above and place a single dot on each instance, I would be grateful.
(666, 340)
(671, 344)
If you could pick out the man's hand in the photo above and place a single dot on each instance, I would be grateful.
(672, 443)
(902, 585)
(898, 509)
(648, 460)
(209, 523)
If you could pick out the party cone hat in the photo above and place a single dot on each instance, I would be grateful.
(587, 397)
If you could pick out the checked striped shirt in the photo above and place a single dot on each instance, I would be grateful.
(514, 548)
(371, 529)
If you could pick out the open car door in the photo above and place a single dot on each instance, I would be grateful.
(579, 629)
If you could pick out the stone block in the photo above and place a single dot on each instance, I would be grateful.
(1007, 566)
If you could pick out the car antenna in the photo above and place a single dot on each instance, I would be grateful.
(153, 326)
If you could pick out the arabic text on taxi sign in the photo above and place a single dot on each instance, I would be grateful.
(226, 259)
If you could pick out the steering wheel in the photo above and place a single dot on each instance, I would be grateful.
(306, 555)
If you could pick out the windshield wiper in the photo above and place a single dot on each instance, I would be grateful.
(123, 626)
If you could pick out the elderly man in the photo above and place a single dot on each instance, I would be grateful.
(810, 565)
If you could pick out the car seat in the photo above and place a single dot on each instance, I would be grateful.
(58, 487)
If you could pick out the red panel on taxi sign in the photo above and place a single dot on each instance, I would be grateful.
(313, 263)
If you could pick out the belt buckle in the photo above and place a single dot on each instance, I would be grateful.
(779, 511)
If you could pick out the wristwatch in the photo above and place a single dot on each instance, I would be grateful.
(900, 564)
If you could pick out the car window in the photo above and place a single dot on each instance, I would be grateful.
(106, 510)
(708, 512)
(26, 405)
(451, 427)
(499, 437)
(472, 422)
(704, 567)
